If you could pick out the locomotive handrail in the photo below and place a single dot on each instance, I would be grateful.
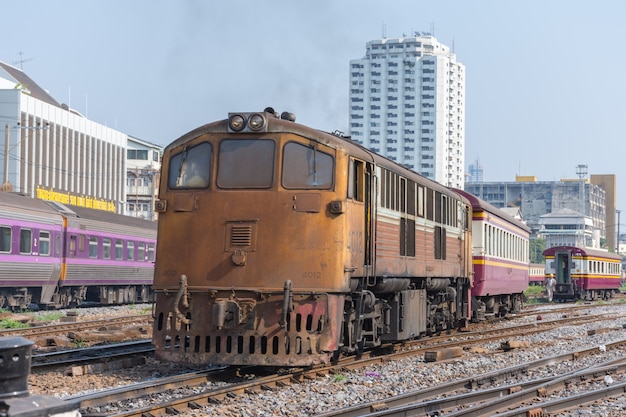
(287, 303)
(182, 293)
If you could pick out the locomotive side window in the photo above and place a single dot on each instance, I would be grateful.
(26, 241)
(44, 243)
(246, 163)
(356, 180)
(306, 168)
(430, 205)
(5, 239)
(191, 168)
(410, 198)
(420, 201)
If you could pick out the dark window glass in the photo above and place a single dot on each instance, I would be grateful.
(93, 247)
(305, 167)
(44, 243)
(246, 163)
(5, 239)
(191, 168)
(26, 241)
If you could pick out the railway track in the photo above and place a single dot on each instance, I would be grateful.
(527, 398)
(60, 328)
(90, 355)
(92, 404)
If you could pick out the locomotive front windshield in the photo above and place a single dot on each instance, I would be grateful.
(306, 168)
(191, 168)
(250, 163)
(246, 163)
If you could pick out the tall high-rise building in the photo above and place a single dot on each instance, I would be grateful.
(407, 102)
(475, 172)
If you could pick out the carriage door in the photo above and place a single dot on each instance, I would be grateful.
(562, 268)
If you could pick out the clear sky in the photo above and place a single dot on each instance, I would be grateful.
(545, 79)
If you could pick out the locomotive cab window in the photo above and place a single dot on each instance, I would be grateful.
(246, 163)
(305, 167)
(191, 168)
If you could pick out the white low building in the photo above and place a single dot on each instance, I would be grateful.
(52, 152)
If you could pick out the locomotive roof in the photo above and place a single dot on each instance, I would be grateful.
(478, 204)
(332, 140)
(578, 251)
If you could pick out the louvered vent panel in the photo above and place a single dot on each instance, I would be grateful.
(241, 235)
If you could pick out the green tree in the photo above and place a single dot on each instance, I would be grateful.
(537, 246)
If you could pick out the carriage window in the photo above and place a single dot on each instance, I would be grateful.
(119, 249)
(72, 246)
(26, 241)
(106, 248)
(57, 245)
(130, 251)
(306, 167)
(141, 251)
(246, 163)
(150, 252)
(191, 168)
(44, 243)
(5, 239)
(93, 247)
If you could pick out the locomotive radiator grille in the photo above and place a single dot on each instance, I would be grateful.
(240, 235)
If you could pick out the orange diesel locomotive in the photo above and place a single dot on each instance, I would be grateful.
(282, 245)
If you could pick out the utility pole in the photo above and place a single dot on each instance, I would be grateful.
(617, 246)
(7, 132)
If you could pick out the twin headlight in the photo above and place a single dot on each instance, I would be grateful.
(255, 122)
(247, 122)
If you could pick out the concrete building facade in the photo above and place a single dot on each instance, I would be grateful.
(54, 153)
(142, 178)
(407, 102)
(537, 198)
(565, 227)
